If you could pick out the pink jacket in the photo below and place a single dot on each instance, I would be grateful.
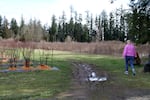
(129, 50)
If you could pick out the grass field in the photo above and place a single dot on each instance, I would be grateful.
(46, 84)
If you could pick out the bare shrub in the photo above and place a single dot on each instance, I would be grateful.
(103, 47)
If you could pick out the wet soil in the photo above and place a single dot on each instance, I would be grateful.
(83, 89)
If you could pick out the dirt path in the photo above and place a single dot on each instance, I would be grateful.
(83, 89)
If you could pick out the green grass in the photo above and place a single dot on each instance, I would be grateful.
(44, 84)
(34, 84)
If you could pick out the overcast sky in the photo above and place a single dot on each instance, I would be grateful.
(44, 9)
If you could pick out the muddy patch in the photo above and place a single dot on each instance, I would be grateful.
(82, 88)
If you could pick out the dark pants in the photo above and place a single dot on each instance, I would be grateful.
(129, 60)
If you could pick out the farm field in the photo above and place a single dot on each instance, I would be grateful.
(63, 84)
(73, 62)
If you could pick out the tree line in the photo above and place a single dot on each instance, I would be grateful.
(123, 24)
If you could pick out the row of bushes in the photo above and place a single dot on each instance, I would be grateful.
(104, 47)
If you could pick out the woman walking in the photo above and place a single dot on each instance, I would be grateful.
(129, 53)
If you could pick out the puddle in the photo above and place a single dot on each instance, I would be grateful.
(85, 72)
